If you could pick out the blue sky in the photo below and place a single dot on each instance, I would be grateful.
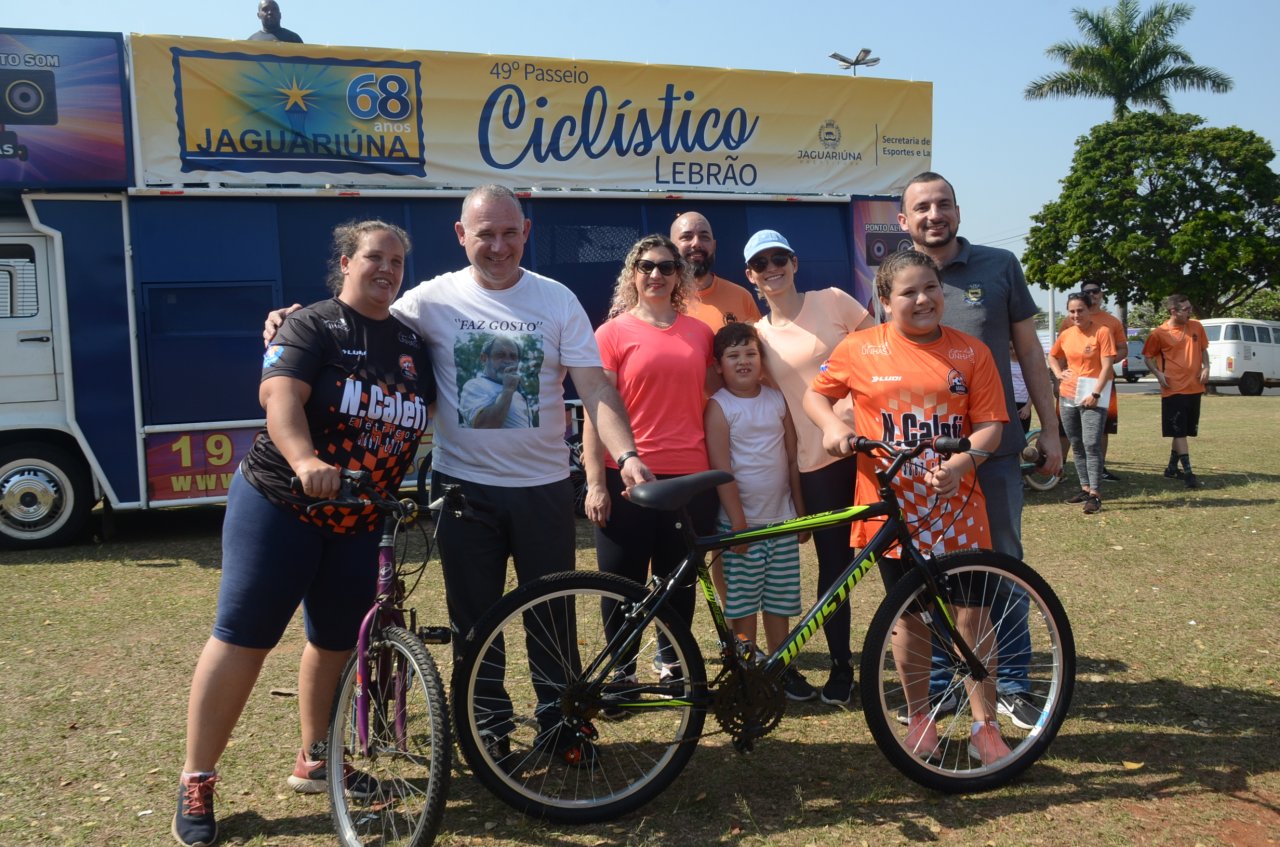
(1004, 154)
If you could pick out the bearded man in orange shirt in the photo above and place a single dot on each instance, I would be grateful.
(719, 301)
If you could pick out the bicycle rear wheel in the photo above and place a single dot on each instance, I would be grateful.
(553, 744)
(409, 747)
(951, 765)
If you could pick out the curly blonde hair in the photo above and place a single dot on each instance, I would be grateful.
(625, 295)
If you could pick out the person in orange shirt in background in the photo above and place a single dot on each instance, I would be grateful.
(1177, 352)
(900, 375)
(719, 301)
(1084, 350)
(1093, 291)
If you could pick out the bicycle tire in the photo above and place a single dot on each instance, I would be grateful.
(1051, 675)
(513, 744)
(409, 752)
(1034, 479)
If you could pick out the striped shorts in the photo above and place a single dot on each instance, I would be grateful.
(766, 577)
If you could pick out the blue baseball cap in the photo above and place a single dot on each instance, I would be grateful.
(763, 240)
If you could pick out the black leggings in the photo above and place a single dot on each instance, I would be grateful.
(635, 539)
(827, 489)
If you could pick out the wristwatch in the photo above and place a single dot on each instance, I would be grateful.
(622, 459)
(1097, 396)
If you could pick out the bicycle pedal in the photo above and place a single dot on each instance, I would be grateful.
(435, 634)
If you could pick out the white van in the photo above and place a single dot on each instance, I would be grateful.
(1243, 352)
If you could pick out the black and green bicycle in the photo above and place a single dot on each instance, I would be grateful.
(558, 712)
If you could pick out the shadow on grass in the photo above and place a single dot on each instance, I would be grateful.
(1189, 739)
(240, 827)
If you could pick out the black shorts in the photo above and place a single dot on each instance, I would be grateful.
(1180, 415)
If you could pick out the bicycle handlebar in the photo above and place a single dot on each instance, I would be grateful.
(902, 454)
(357, 489)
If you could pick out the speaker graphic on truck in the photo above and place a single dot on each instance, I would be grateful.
(28, 97)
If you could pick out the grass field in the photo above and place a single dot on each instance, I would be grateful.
(1172, 738)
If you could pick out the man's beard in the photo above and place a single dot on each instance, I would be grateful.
(702, 268)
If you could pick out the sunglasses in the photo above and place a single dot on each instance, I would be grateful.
(647, 267)
(778, 260)
(1091, 291)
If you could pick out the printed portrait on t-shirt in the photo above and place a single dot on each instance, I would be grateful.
(498, 379)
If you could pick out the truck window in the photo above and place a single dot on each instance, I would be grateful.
(1213, 333)
(1249, 334)
(1264, 335)
(18, 297)
(1232, 332)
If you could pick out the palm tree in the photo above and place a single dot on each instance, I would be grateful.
(1129, 58)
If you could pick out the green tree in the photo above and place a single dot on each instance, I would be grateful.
(1129, 58)
(1263, 307)
(1155, 204)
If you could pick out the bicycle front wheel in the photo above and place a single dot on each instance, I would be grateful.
(1014, 618)
(549, 741)
(393, 792)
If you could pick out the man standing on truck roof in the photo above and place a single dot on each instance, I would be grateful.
(719, 301)
(1177, 352)
(1095, 298)
(987, 296)
(519, 473)
(269, 14)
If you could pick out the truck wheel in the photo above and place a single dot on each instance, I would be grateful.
(45, 495)
(1251, 384)
(1130, 378)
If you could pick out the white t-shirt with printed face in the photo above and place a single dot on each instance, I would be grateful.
(459, 319)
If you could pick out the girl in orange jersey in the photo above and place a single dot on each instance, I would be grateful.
(912, 378)
(1081, 359)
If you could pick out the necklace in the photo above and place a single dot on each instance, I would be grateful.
(652, 320)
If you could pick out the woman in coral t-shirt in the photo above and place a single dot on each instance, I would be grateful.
(913, 378)
(659, 358)
(1081, 359)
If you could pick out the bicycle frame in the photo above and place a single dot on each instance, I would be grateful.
(894, 530)
(387, 611)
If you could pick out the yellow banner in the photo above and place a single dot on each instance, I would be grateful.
(258, 112)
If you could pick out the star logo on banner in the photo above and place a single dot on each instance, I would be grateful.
(296, 95)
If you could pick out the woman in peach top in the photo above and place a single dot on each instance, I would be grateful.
(798, 334)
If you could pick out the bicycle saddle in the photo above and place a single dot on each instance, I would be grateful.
(675, 493)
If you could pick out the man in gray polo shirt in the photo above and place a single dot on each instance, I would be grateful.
(987, 296)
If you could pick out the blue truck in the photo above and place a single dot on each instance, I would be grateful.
(131, 313)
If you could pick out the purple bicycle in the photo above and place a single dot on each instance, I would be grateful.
(390, 718)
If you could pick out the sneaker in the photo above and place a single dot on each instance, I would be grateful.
(1108, 476)
(986, 745)
(194, 824)
(1192, 482)
(311, 775)
(1092, 505)
(1173, 473)
(940, 706)
(620, 682)
(922, 736)
(839, 687)
(1019, 709)
(797, 687)
(667, 672)
(1077, 498)
(499, 749)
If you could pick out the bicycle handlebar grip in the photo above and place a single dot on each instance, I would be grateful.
(944, 444)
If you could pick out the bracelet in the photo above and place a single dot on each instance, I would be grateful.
(622, 459)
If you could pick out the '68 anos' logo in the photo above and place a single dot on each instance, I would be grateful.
(372, 96)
